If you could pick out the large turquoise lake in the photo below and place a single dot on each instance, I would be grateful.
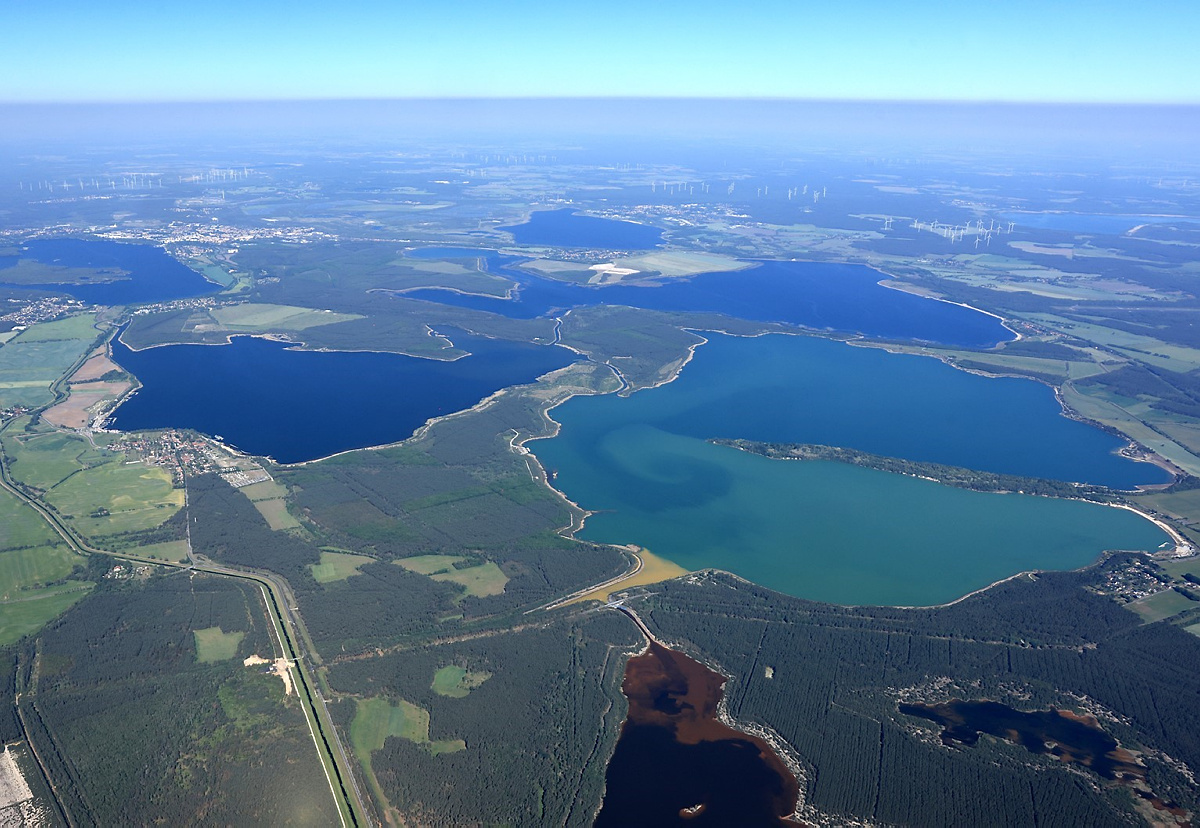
(829, 531)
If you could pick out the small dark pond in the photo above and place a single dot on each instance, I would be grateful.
(1069, 737)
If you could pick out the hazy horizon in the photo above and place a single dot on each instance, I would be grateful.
(880, 126)
(860, 50)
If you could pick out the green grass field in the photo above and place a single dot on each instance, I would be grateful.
(1161, 605)
(1190, 566)
(1185, 433)
(1095, 408)
(377, 718)
(31, 272)
(213, 645)
(20, 525)
(1194, 629)
(429, 564)
(483, 580)
(28, 615)
(1147, 349)
(457, 682)
(213, 272)
(73, 327)
(94, 489)
(430, 273)
(264, 317)
(337, 566)
(39, 355)
(135, 497)
(28, 370)
(266, 490)
(44, 458)
(268, 498)
(30, 558)
(276, 514)
(169, 551)
(682, 263)
(24, 571)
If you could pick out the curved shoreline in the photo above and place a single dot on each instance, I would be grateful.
(894, 278)
(297, 344)
(579, 514)
(1180, 542)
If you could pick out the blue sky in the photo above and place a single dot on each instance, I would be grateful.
(131, 50)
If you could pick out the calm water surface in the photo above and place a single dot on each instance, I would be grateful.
(677, 764)
(830, 531)
(293, 405)
(566, 228)
(801, 389)
(839, 297)
(153, 276)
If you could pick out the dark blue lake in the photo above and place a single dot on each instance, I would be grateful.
(293, 405)
(836, 297)
(153, 276)
(566, 228)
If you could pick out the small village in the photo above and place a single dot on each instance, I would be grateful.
(24, 313)
(188, 455)
(1139, 579)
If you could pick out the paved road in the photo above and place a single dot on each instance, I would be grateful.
(280, 606)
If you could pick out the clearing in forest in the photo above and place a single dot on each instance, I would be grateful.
(481, 579)
(457, 682)
(337, 566)
(213, 645)
(376, 719)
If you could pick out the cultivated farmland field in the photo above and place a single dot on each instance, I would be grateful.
(115, 498)
(20, 525)
(31, 361)
(1162, 605)
(25, 616)
(33, 589)
(93, 488)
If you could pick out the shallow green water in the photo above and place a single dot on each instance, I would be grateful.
(825, 531)
(840, 533)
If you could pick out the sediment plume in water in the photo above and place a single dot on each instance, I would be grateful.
(676, 763)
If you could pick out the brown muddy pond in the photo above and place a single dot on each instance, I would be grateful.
(677, 764)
